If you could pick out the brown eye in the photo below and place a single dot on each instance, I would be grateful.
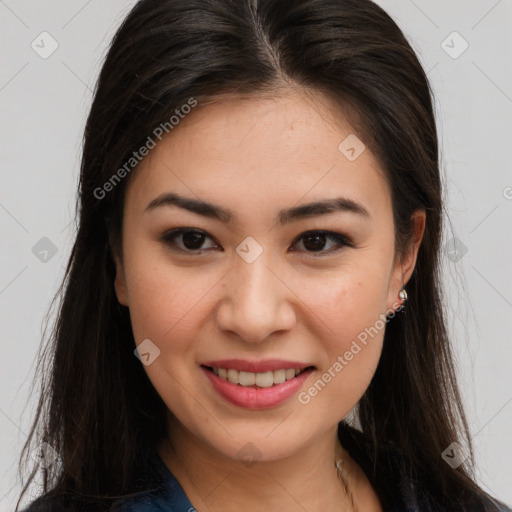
(316, 242)
(193, 240)
(187, 240)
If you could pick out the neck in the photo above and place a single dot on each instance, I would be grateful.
(215, 482)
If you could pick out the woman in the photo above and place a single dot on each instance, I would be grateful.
(257, 261)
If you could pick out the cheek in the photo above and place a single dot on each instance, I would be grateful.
(171, 325)
(164, 299)
(351, 309)
(167, 308)
(346, 304)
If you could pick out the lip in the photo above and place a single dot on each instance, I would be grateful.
(268, 365)
(257, 398)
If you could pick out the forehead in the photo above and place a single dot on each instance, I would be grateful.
(263, 153)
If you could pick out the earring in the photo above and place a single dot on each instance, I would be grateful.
(402, 294)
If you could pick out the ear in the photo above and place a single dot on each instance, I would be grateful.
(404, 268)
(120, 280)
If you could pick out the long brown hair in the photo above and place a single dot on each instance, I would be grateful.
(97, 408)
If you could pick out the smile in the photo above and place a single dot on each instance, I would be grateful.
(257, 380)
(256, 390)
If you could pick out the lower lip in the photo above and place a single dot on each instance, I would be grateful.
(256, 398)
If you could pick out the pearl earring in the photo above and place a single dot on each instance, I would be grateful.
(402, 294)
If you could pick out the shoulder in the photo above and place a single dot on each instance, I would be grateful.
(60, 503)
(145, 501)
(155, 489)
(162, 492)
(389, 471)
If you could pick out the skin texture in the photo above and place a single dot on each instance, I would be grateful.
(255, 157)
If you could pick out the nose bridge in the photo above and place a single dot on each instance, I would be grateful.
(255, 302)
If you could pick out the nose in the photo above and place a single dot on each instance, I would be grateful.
(256, 301)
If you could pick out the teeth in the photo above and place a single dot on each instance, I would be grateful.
(246, 378)
(279, 376)
(233, 376)
(289, 374)
(262, 379)
(265, 380)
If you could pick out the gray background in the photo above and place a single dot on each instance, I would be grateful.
(44, 102)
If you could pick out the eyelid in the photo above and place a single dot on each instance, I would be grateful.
(339, 237)
(169, 236)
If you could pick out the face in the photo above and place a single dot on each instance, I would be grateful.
(257, 279)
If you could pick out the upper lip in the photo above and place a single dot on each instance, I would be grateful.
(266, 365)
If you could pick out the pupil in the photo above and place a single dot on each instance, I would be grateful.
(318, 242)
(190, 238)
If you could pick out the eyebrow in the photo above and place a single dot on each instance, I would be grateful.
(323, 207)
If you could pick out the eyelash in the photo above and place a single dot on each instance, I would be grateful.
(169, 239)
